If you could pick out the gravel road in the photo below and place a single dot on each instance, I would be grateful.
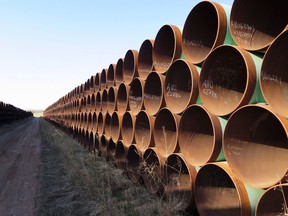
(20, 148)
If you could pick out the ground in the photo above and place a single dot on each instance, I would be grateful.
(20, 145)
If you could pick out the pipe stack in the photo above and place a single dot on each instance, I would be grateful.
(200, 115)
(10, 113)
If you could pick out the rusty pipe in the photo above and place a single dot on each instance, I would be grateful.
(229, 80)
(253, 27)
(167, 47)
(104, 101)
(116, 122)
(128, 128)
(134, 160)
(200, 135)
(166, 132)
(103, 79)
(179, 180)
(273, 80)
(119, 72)
(136, 96)
(255, 145)
(121, 155)
(123, 98)
(144, 130)
(153, 93)
(130, 66)
(218, 191)
(181, 86)
(111, 74)
(111, 100)
(206, 27)
(152, 171)
(145, 59)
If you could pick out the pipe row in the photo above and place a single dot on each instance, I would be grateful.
(195, 115)
(9, 113)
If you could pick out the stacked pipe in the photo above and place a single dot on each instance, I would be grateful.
(199, 115)
(9, 113)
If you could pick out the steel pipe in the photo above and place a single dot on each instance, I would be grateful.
(111, 74)
(273, 79)
(181, 86)
(255, 24)
(200, 136)
(273, 201)
(123, 98)
(166, 132)
(256, 145)
(128, 129)
(206, 27)
(144, 130)
(180, 178)
(218, 191)
(103, 79)
(153, 93)
(145, 59)
(167, 47)
(119, 72)
(229, 80)
(121, 155)
(152, 171)
(116, 122)
(130, 66)
(111, 100)
(134, 159)
(136, 96)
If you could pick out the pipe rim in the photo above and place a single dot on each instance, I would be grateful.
(198, 159)
(191, 48)
(266, 174)
(210, 98)
(174, 100)
(174, 54)
(153, 83)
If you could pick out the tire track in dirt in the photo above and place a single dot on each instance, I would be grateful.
(20, 150)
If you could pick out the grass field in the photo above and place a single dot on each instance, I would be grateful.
(77, 182)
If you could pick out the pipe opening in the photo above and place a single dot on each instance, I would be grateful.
(103, 79)
(166, 132)
(143, 131)
(179, 181)
(122, 99)
(111, 75)
(226, 81)
(167, 47)
(181, 86)
(136, 96)
(119, 72)
(130, 66)
(104, 105)
(120, 155)
(153, 93)
(128, 129)
(133, 163)
(115, 127)
(204, 29)
(255, 146)
(274, 77)
(111, 100)
(200, 136)
(217, 194)
(254, 27)
(145, 60)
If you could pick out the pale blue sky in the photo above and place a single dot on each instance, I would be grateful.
(48, 47)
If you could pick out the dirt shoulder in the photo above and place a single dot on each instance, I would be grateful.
(20, 147)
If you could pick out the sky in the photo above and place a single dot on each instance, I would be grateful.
(48, 47)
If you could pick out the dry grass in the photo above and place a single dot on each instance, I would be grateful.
(76, 182)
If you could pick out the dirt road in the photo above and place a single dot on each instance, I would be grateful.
(19, 168)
